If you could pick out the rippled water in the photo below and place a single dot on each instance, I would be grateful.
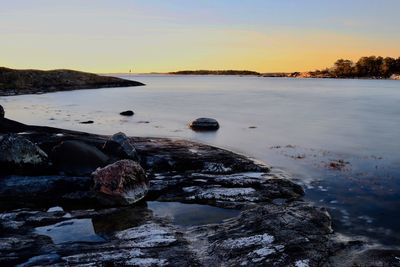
(340, 138)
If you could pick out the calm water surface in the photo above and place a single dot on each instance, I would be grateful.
(302, 126)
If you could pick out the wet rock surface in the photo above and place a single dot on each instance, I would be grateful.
(275, 227)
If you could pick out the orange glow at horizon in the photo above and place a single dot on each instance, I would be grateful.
(156, 37)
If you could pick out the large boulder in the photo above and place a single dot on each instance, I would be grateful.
(16, 150)
(77, 158)
(123, 182)
(204, 124)
(2, 113)
(121, 146)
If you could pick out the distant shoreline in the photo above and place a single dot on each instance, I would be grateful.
(298, 75)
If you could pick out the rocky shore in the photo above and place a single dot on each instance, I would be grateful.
(77, 199)
(18, 82)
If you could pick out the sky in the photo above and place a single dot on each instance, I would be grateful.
(168, 35)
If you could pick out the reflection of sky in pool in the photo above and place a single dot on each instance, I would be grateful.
(76, 230)
(191, 214)
(354, 120)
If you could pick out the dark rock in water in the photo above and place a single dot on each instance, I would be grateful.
(127, 113)
(77, 158)
(87, 122)
(2, 113)
(204, 124)
(18, 151)
(121, 146)
(124, 180)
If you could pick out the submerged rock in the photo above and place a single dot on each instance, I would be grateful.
(127, 113)
(77, 158)
(121, 146)
(2, 113)
(86, 122)
(204, 124)
(16, 150)
(124, 181)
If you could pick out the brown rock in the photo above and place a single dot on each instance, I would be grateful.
(124, 181)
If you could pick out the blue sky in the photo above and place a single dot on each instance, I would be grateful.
(155, 35)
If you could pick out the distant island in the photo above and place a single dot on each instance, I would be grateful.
(17, 82)
(216, 72)
(371, 67)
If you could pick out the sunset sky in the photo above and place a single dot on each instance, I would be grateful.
(160, 35)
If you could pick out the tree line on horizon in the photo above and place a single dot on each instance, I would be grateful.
(372, 66)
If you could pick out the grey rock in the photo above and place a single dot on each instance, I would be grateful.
(124, 181)
(204, 124)
(121, 146)
(17, 150)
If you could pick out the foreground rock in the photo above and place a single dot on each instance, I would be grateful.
(275, 226)
(124, 181)
(15, 82)
(121, 146)
(19, 152)
(2, 113)
(204, 124)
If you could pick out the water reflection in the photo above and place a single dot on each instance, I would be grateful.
(76, 230)
(191, 214)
